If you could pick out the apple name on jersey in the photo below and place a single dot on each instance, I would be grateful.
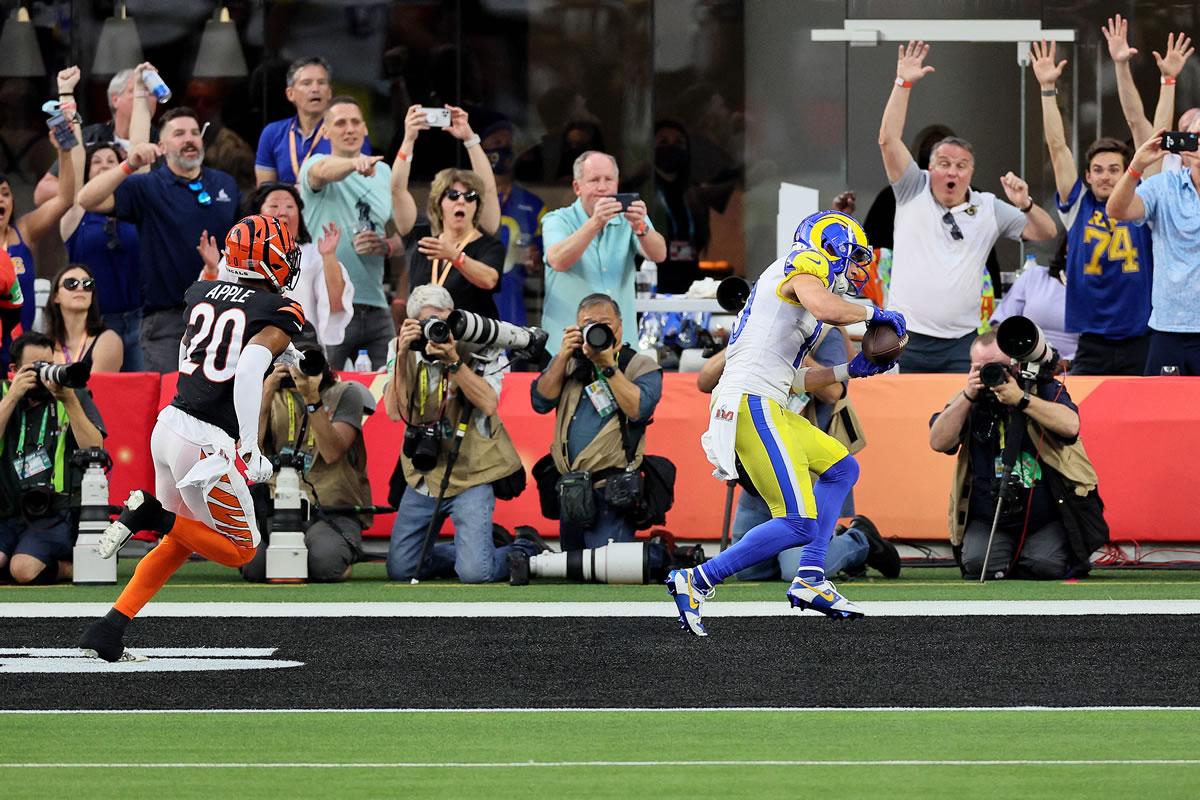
(222, 319)
(773, 333)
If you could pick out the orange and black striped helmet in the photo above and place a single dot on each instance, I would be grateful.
(263, 248)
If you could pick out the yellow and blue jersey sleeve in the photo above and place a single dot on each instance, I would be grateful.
(805, 262)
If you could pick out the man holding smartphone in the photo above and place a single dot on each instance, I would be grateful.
(1170, 204)
(591, 246)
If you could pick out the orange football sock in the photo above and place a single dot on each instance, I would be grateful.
(200, 538)
(151, 573)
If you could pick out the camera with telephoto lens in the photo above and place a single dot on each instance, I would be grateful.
(433, 330)
(1023, 341)
(469, 327)
(68, 376)
(422, 443)
(312, 364)
(598, 336)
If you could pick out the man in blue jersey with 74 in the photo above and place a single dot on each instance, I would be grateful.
(753, 437)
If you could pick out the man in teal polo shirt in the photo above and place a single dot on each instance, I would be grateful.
(590, 246)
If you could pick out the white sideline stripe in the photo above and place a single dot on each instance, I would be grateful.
(664, 609)
(577, 710)
(1091, 762)
(158, 652)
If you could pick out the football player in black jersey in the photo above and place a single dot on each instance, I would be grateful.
(205, 443)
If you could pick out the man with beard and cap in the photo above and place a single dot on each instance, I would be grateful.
(41, 425)
(172, 206)
(943, 232)
(520, 297)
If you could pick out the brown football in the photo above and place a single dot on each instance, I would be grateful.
(881, 345)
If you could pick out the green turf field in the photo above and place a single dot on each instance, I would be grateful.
(521, 755)
(200, 581)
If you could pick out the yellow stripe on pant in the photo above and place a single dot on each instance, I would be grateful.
(777, 449)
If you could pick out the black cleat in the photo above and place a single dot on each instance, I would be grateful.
(882, 555)
(104, 639)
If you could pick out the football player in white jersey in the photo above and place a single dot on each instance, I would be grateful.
(205, 444)
(754, 438)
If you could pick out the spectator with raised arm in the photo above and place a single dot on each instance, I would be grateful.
(171, 206)
(591, 246)
(353, 191)
(20, 234)
(1116, 33)
(284, 145)
(127, 99)
(416, 121)
(1109, 264)
(107, 245)
(943, 232)
(1170, 205)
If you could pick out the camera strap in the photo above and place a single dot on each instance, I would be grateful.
(295, 435)
(41, 434)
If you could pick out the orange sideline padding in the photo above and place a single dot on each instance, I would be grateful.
(1139, 432)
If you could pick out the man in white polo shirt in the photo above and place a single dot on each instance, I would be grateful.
(943, 232)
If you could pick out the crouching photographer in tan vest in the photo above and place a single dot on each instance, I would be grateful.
(439, 387)
(596, 479)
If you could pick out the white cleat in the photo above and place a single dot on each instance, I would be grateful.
(141, 511)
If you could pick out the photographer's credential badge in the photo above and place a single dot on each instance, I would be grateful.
(601, 398)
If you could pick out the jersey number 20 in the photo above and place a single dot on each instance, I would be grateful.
(219, 338)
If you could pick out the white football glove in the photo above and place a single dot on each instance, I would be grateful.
(258, 466)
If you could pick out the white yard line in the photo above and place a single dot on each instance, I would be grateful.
(1093, 762)
(881, 608)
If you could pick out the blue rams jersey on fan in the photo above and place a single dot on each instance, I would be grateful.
(1109, 269)
(520, 216)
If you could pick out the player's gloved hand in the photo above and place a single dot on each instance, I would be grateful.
(893, 318)
(258, 466)
(860, 367)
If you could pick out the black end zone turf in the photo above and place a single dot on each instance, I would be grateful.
(597, 663)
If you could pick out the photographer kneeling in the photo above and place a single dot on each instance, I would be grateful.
(1051, 516)
(43, 424)
(435, 388)
(605, 394)
(313, 423)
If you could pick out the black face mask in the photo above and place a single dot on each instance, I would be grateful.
(502, 160)
(39, 395)
(670, 157)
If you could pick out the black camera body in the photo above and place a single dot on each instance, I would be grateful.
(37, 497)
(423, 444)
(433, 330)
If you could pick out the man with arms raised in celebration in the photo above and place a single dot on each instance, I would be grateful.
(201, 502)
(753, 438)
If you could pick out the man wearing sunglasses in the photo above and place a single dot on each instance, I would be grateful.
(944, 231)
(172, 205)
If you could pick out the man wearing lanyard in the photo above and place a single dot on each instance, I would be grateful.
(286, 144)
(42, 424)
(320, 419)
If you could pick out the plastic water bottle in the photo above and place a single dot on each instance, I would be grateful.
(648, 277)
(1031, 262)
(363, 362)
